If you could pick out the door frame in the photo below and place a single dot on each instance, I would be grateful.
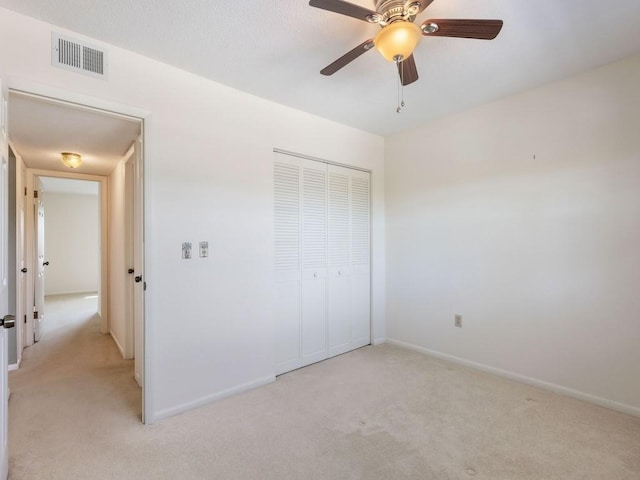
(20, 278)
(27, 87)
(103, 288)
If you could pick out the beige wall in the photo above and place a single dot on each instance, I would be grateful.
(208, 177)
(72, 243)
(523, 216)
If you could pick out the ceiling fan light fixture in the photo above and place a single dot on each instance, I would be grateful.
(397, 40)
(71, 160)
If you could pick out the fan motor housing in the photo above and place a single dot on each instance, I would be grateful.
(393, 10)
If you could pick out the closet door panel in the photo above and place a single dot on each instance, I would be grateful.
(314, 317)
(287, 266)
(360, 311)
(287, 315)
(338, 236)
(339, 300)
(360, 212)
(314, 262)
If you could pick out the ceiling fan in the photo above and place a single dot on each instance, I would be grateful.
(399, 35)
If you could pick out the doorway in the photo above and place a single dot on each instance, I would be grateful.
(68, 244)
(110, 145)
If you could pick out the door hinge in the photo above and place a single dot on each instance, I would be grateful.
(35, 194)
(35, 315)
(25, 319)
(144, 286)
(25, 191)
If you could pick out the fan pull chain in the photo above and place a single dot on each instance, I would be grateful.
(400, 85)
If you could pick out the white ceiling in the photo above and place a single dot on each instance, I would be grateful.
(276, 49)
(41, 129)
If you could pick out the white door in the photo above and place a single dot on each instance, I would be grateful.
(138, 265)
(322, 261)
(348, 235)
(339, 298)
(360, 251)
(21, 275)
(40, 262)
(314, 262)
(286, 205)
(4, 300)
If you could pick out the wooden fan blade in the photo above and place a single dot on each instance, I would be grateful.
(347, 58)
(481, 29)
(344, 8)
(408, 71)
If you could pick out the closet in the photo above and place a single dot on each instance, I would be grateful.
(322, 260)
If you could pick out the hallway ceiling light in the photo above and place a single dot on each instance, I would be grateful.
(71, 160)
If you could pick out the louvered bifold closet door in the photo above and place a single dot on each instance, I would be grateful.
(287, 267)
(360, 250)
(322, 245)
(314, 261)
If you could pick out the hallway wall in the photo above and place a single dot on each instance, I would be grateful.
(72, 243)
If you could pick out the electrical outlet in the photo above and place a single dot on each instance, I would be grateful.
(458, 321)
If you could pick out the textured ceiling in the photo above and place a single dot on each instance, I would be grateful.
(276, 49)
(41, 129)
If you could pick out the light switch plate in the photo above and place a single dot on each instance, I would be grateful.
(186, 250)
(204, 249)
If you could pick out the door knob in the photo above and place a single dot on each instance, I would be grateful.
(23, 270)
(45, 264)
(138, 278)
(130, 271)
(8, 321)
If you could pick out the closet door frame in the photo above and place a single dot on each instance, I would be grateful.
(290, 281)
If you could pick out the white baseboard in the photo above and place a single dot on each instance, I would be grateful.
(170, 412)
(586, 397)
(82, 292)
(117, 344)
(15, 366)
(379, 341)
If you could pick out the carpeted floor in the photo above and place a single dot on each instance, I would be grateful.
(376, 413)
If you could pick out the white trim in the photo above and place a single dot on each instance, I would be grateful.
(170, 412)
(379, 341)
(570, 392)
(322, 160)
(28, 87)
(54, 294)
(103, 288)
(117, 344)
(15, 366)
(66, 97)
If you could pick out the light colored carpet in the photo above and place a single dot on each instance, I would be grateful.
(376, 413)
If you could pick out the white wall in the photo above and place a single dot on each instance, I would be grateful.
(72, 243)
(523, 216)
(208, 176)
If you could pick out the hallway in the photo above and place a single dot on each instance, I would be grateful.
(68, 385)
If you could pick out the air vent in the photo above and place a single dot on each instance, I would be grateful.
(78, 57)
